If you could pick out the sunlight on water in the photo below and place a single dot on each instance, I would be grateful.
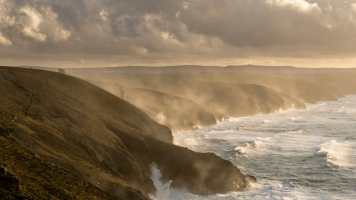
(296, 154)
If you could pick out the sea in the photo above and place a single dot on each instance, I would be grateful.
(294, 154)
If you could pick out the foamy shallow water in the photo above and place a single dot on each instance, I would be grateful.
(296, 154)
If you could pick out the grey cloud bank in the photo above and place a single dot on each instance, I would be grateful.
(168, 32)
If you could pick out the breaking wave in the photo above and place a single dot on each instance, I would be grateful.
(163, 189)
(296, 154)
(338, 153)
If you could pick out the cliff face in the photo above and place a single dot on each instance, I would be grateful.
(101, 138)
(231, 99)
(307, 88)
(175, 112)
(250, 99)
(179, 113)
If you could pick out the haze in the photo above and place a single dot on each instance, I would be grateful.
(104, 33)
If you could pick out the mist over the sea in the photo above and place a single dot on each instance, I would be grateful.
(295, 154)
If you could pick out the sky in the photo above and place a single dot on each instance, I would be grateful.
(104, 33)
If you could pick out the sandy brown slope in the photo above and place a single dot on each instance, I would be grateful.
(101, 138)
(175, 112)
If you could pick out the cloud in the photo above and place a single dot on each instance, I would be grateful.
(300, 5)
(175, 31)
(104, 15)
(353, 7)
(4, 40)
(31, 28)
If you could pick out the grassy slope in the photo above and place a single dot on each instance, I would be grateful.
(36, 177)
(101, 138)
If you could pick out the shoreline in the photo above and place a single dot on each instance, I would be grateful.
(265, 150)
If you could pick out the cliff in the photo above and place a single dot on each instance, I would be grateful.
(306, 88)
(230, 99)
(102, 139)
(175, 112)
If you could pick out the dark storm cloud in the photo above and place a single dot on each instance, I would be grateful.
(94, 29)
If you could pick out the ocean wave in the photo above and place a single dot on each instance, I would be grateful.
(267, 121)
(261, 142)
(242, 150)
(350, 138)
(162, 189)
(337, 153)
(311, 106)
(297, 132)
(190, 141)
(302, 132)
(303, 154)
(346, 110)
(258, 143)
(233, 119)
(294, 118)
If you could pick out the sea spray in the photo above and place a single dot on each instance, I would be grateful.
(163, 189)
(161, 118)
(340, 154)
(296, 154)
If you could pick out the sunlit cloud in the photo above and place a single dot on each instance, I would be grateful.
(4, 40)
(300, 5)
(104, 16)
(31, 29)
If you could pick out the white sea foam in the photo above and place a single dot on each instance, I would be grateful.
(346, 110)
(267, 121)
(337, 153)
(219, 122)
(282, 145)
(241, 150)
(161, 118)
(190, 141)
(163, 189)
(234, 119)
(311, 106)
(261, 142)
(350, 138)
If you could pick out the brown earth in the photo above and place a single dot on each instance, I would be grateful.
(102, 139)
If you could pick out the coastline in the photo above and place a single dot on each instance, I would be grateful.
(286, 151)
